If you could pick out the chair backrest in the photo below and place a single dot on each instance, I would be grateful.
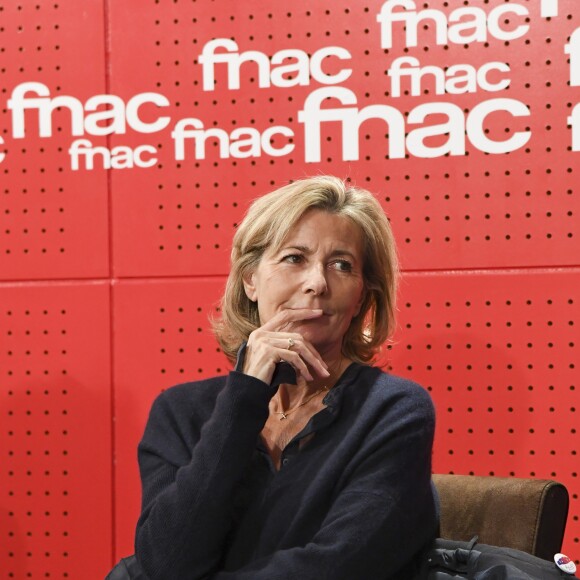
(525, 514)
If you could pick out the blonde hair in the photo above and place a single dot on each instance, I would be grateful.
(267, 223)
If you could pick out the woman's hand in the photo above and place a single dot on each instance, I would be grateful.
(268, 345)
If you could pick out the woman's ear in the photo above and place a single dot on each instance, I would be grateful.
(250, 286)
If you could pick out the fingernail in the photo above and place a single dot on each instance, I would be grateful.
(327, 373)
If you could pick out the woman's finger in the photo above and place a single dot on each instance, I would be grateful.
(281, 320)
(298, 363)
(262, 356)
(272, 342)
(295, 343)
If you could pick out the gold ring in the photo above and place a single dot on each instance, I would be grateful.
(290, 343)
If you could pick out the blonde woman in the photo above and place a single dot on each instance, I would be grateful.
(305, 462)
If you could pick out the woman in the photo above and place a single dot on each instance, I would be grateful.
(304, 462)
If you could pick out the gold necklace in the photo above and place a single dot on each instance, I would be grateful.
(286, 413)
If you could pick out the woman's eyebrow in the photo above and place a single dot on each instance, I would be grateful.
(341, 252)
(307, 250)
(304, 249)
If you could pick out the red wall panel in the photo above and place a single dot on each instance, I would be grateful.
(55, 475)
(478, 210)
(53, 221)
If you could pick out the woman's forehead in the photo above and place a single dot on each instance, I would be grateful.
(319, 226)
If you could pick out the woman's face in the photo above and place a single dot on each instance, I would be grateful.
(318, 266)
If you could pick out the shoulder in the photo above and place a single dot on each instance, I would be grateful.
(389, 397)
(392, 386)
(380, 385)
(185, 401)
(194, 391)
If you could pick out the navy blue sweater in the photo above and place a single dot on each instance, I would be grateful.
(353, 502)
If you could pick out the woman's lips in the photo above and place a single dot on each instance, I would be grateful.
(324, 312)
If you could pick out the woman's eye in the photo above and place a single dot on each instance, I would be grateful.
(343, 265)
(292, 258)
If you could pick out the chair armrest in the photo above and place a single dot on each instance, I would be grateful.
(525, 514)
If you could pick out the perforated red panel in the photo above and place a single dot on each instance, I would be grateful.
(53, 221)
(55, 474)
(475, 210)
(162, 339)
(480, 233)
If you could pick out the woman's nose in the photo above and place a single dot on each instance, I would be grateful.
(315, 280)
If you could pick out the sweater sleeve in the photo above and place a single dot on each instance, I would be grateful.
(188, 494)
(383, 517)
